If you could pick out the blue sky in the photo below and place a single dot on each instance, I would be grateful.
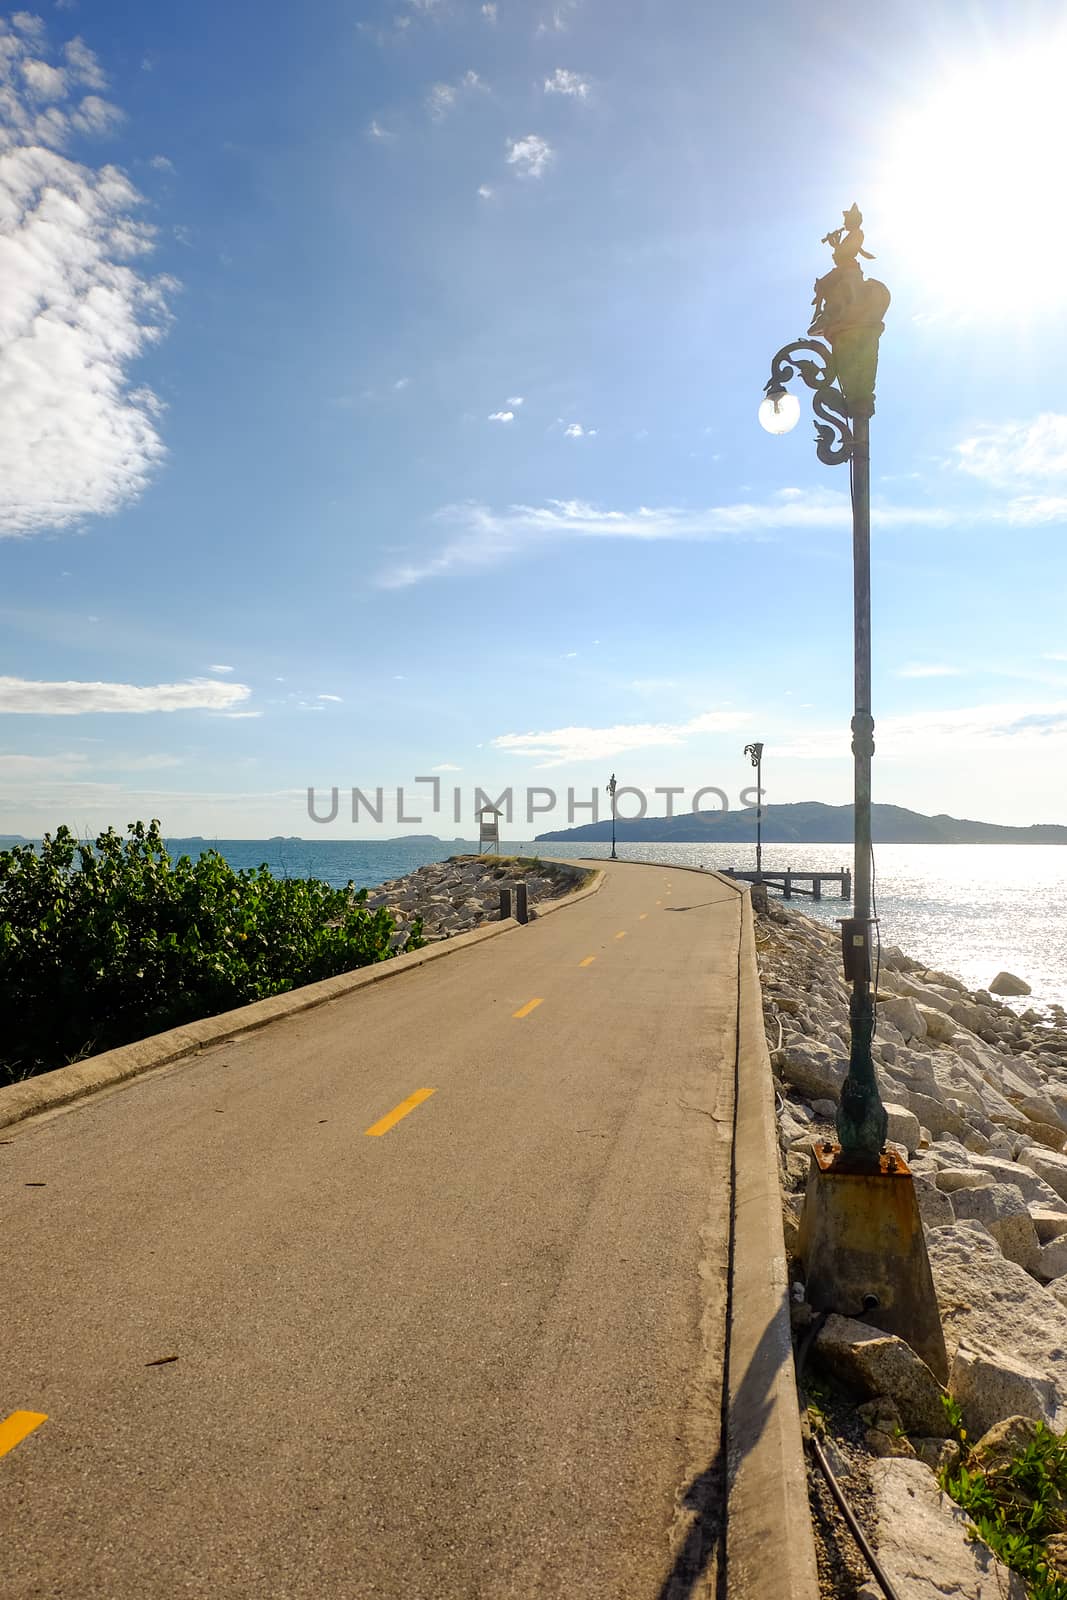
(378, 391)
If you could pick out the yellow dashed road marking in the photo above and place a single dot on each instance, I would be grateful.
(621, 935)
(524, 1011)
(14, 1428)
(393, 1117)
(588, 962)
(642, 917)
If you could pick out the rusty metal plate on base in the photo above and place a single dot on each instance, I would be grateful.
(829, 1159)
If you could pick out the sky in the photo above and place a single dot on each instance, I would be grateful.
(378, 392)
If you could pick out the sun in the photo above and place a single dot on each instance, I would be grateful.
(972, 193)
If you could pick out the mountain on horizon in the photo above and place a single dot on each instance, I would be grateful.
(810, 822)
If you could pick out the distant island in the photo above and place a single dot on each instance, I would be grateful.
(809, 822)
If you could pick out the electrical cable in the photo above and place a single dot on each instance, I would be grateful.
(823, 1464)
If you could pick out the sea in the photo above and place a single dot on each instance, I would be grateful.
(972, 910)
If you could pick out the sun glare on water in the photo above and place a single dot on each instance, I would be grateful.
(972, 191)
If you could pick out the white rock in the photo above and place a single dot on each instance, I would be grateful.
(1049, 1165)
(904, 1015)
(812, 1069)
(1049, 1224)
(903, 1126)
(1051, 1261)
(881, 1364)
(991, 1386)
(1058, 1287)
(935, 1208)
(1001, 1207)
(990, 1303)
(925, 1543)
(952, 1178)
(1021, 1174)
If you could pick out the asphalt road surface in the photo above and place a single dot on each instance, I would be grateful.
(442, 1266)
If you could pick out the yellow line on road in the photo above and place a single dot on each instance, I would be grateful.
(621, 935)
(524, 1011)
(391, 1119)
(588, 962)
(14, 1428)
(642, 917)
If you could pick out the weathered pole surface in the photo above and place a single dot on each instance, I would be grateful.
(861, 1117)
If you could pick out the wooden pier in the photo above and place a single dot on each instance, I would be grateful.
(799, 883)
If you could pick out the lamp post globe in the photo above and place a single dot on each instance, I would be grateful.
(779, 412)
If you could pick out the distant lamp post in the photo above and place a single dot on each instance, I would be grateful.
(840, 367)
(612, 786)
(754, 752)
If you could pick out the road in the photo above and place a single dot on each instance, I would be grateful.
(443, 1267)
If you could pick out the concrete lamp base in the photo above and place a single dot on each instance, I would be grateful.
(861, 1234)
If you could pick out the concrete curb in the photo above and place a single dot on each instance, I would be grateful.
(81, 1078)
(770, 1548)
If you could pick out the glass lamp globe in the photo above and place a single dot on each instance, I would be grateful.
(780, 412)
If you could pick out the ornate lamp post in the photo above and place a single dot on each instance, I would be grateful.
(840, 367)
(611, 790)
(754, 752)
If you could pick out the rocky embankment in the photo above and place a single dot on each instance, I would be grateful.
(976, 1093)
(461, 893)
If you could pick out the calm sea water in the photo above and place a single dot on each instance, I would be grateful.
(966, 909)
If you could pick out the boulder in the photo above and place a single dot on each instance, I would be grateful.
(1004, 1441)
(990, 1303)
(935, 1114)
(1049, 1165)
(937, 1453)
(1049, 1224)
(991, 1386)
(927, 1545)
(968, 1015)
(882, 1365)
(903, 1126)
(935, 1208)
(1002, 1209)
(952, 1178)
(1051, 1261)
(812, 1069)
(939, 1025)
(1021, 1174)
(1008, 983)
(826, 1109)
(904, 1015)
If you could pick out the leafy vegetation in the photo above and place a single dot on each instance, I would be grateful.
(1016, 1504)
(104, 943)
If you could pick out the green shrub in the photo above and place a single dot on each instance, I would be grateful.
(104, 943)
(1016, 1505)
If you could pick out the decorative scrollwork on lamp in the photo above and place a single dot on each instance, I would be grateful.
(833, 436)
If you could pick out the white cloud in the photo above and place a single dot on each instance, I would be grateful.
(993, 730)
(401, 383)
(76, 438)
(446, 766)
(376, 131)
(70, 699)
(444, 97)
(564, 82)
(43, 81)
(529, 156)
(162, 163)
(557, 19)
(576, 431)
(489, 11)
(218, 668)
(502, 416)
(562, 745)
(516, 400)
(932, 670)
(484, 191)
(83, 64)
(336, 697)
(441, 99)
(480, 537)
(1054, 655)
(1010, 453)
